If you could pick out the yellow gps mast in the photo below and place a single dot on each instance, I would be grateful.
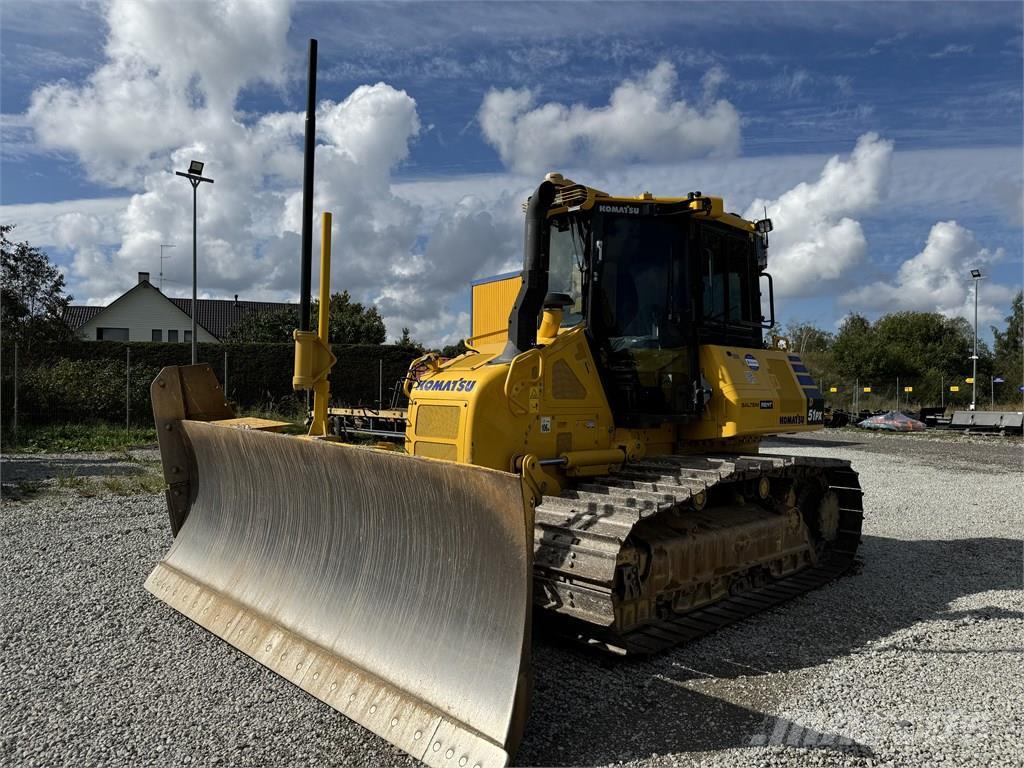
(313, 356)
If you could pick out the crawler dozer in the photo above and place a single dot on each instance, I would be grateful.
(594, 461)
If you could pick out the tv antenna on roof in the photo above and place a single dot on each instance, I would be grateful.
(162, 257)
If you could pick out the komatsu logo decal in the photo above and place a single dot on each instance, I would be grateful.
(632, 210)
(446, 385)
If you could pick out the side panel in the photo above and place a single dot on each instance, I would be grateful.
(491, 302)
(755, 392)
(549, 401)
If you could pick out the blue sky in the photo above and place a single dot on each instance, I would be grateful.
(935, 87)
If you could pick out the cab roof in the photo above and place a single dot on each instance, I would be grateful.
(572, 196)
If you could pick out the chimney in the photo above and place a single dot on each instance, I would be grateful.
(143, 277)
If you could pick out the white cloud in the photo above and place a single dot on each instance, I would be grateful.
(937, 279)
(71, 229)
(951, 50)
(712, 80)
(642, 122)
(164, 93)
(167, 92)
(36, 222)
(475, 239)
(816, 239)
(1009, 196)
(791, 83)
(169, 76)
(413, 261)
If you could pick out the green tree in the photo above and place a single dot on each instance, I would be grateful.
(33, 301)
(923, 349)
(922, 341)
(854, 350)
(454, 350)
(1008, 360)
(804, 338)
(350, 323)
(271, 327)
(814, 345)
(406, 341)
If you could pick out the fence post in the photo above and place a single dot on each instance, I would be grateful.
(380, 383)
(225, 374)
(128, 392)
(14, 422)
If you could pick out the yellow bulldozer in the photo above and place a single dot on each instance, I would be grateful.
(593, 462)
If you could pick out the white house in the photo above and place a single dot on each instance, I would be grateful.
(146, 314)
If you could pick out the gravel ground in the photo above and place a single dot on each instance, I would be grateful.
(917, 658)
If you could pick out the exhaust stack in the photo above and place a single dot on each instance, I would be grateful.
(522, 323)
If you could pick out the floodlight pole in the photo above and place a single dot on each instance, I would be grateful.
(195, 180)
(976, 274)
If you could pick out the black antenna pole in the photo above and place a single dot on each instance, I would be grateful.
(307, 193)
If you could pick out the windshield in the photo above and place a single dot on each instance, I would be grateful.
(641, 281)
(566, 264)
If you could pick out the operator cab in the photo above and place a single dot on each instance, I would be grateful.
(653, 280)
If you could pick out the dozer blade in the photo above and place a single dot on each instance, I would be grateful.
(393, 588)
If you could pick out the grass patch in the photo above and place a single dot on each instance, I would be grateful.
(73, 482)
(132, 485)
(116, 484)
(21, 491)
(67, 438)
(102, 436)
(148, 482)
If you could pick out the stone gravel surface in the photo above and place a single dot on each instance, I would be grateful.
(915, 658)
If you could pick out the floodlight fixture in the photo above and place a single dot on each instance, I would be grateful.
(976, 273)
(195, 167)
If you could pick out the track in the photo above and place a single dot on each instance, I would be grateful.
(580, 535)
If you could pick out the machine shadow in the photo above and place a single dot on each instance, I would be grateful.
(678, 701)
(16, 468)
(781, 441)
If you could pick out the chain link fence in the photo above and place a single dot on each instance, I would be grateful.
(912, 394)
(109, 381)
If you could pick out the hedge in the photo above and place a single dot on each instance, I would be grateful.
(86, 380)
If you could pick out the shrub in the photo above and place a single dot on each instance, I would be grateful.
(85, 380)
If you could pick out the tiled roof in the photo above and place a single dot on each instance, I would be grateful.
(215, 315)
(77, 315)
(218, 315)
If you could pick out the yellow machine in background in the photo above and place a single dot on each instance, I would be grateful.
(593, 454)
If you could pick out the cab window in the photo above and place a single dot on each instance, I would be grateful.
(729, 295)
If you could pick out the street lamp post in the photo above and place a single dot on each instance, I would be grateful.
(977, 277)
(195, 177)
